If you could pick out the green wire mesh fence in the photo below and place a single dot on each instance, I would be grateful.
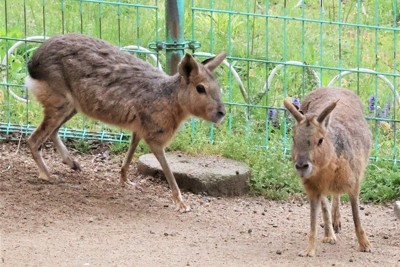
(287, 48)
(24, 24)
(275, 49)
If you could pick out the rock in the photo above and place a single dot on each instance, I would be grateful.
(217, 176)
(397, 209)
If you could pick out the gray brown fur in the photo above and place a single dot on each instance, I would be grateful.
(75, 73)
(331, 148)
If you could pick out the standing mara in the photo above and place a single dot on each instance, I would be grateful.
(331, 147)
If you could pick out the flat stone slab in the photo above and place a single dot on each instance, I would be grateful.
(397, 209)
(216, 176)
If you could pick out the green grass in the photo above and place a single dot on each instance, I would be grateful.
(273, 174)
(256, 41)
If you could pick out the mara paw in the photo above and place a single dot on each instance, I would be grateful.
(329, 239)
(365, 246)
(307, 253)
(337, 226)
(49, 179)
(75, 166)
(181, 207)
(72, 164)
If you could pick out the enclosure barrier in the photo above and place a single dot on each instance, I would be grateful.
(275, 49)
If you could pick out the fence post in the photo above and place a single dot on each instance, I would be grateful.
(175, 44)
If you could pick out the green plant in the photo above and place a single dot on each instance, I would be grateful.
(82, 146)
(382, 182)
(258, 36)
(118, 148)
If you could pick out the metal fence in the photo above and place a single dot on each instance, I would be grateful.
(275, 49)
(24, 24)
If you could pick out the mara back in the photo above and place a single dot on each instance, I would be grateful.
(118, 85)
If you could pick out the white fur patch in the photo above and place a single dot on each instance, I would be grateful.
(33, 84)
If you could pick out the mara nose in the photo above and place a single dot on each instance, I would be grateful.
(221, 112)
(302, 165)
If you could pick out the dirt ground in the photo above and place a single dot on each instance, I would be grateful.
(88, 220)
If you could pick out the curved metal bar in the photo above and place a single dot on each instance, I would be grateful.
(367, 71)
(267, 85)
(9, 53)
(150, 54)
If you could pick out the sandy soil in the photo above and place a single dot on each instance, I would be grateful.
(88, 220)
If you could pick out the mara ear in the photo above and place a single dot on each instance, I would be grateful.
(325, 114)
(304, 108)
(187, 67)
(292, 109)
(214, 62)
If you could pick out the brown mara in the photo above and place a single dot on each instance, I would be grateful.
(331, 147)
(75, 73)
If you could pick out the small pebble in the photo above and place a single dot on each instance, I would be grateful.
(279, 252)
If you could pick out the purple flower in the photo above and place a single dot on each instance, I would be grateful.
(272, 114)
(296, 102)
(371, 102)
(272, 117)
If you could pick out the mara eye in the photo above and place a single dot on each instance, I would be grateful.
(200, 89)
(320, 141)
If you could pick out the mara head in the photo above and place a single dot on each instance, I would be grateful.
(201, 94)
(312, 149)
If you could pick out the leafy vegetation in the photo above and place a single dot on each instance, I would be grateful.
(258, 36)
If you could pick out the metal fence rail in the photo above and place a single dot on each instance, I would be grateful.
(287, 49)
(275, 49)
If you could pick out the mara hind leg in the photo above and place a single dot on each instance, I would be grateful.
(61, 148)
(57, 110)
(336, 222)
(128, 158)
